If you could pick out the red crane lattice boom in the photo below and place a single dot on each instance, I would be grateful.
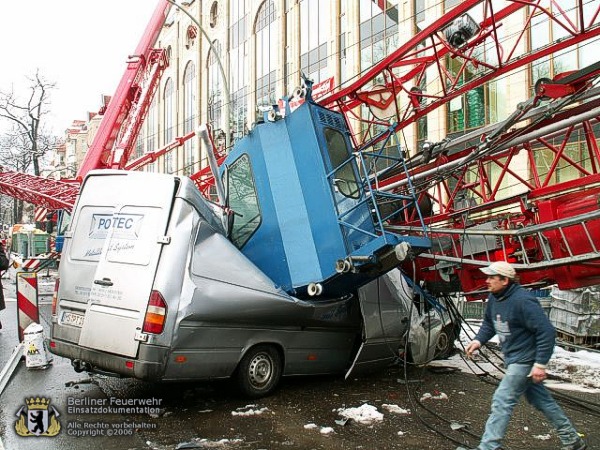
(121, 123)
(44, 192)
(392, 90)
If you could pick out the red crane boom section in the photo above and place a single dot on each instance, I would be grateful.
(396, 89)
(126, 97)
(44, 192)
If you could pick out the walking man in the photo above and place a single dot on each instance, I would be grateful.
(527, 341)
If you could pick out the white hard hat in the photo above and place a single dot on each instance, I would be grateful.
(501, 268)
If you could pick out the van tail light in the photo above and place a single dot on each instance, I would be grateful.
(55, 296)
(154, 321)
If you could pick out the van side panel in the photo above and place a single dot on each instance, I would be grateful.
(214, 350)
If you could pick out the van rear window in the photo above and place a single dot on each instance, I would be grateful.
(124, 236)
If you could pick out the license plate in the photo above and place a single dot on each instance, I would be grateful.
(73, 319)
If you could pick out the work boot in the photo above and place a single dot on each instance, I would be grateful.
(579, 444)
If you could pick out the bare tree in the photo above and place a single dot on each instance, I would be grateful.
(26, 117)
(26, 142)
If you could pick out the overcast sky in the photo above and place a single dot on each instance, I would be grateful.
(82, 46)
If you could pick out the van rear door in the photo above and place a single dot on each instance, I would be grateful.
(126, 238)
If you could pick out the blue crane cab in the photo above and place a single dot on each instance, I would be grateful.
(300, 208)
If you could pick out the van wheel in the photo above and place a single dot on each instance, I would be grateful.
(259, 371)
(445, 343)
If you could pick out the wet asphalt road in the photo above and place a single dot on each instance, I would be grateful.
(212, 415)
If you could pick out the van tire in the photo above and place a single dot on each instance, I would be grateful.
(445, 344)
(259, 371)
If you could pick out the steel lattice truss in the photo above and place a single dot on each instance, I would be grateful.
(481, 171)
(44, 192)
(392, 90)
(114, 141)
(548, 223)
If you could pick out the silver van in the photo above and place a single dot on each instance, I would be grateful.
(150, 287)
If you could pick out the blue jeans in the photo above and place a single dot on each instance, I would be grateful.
(514, 384)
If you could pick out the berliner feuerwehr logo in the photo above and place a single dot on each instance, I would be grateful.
(38, 418)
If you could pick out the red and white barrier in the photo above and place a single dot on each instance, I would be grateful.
(31, 264)
(40, 214)
(27, 301)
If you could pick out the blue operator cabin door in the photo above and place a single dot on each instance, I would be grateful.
(353, 213)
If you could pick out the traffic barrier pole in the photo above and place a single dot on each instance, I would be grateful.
(28, 310)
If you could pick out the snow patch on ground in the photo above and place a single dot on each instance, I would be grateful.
(395, 409)
(248, 410)
(581, 367)
(434, 396)
(322, 430)
(365, 414)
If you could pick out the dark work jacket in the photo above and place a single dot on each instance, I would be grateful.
(525, 332)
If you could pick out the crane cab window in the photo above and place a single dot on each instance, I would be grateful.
(243, 201)
(344, 176)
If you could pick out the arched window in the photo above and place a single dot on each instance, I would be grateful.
(189, 116)
(151, 132)
(215, 89)
(267, 44)
(151, 126)
(169, 105)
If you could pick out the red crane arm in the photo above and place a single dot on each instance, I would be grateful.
(478, 164)
(394, 89)
(549, 225)
(125, 97)
(44, 192)
(130, 128)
